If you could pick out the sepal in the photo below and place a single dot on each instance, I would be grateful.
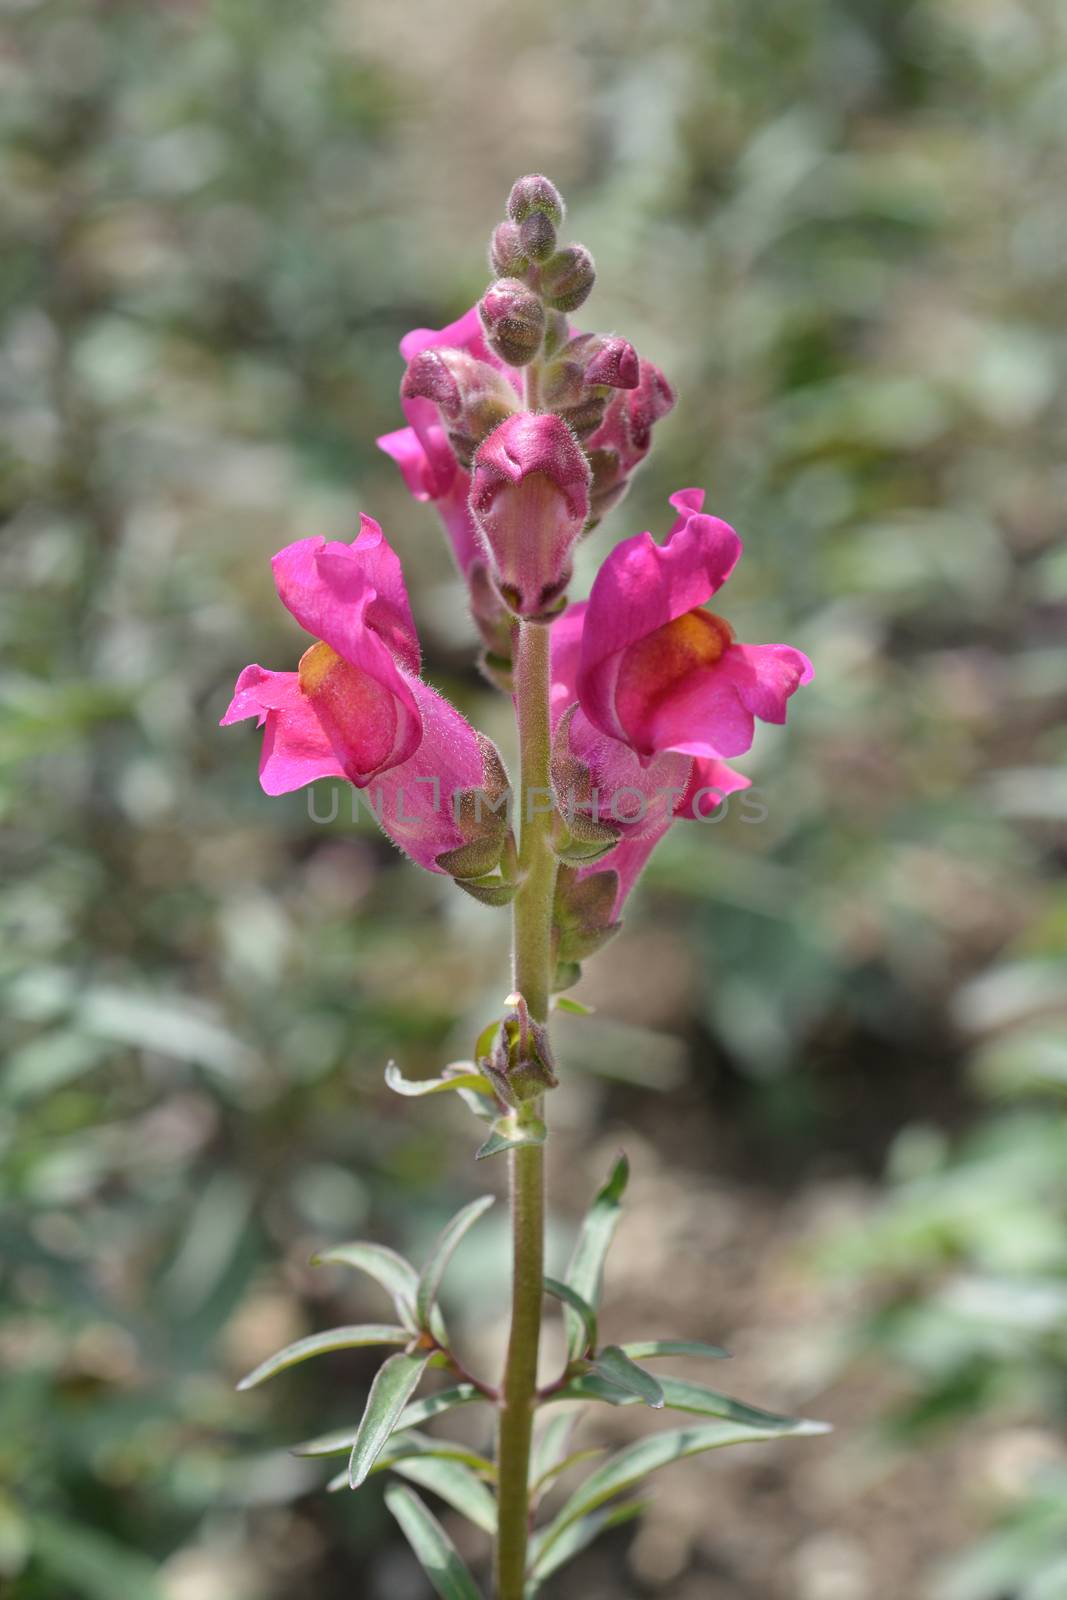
(581, 840)
(516, 1057)
(485, 863)
(582, 917)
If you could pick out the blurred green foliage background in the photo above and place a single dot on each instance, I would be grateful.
(838, 225)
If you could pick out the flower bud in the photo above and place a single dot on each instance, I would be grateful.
(506, 256)
(624, 437)
(567, 278)
(535, 193)
(578, 383)
(537, 236)
(472, 397)
(514, 320)
(530, 501)
(519, 1062)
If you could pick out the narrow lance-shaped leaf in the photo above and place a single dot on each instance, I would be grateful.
(317, 1344)
(396, 1276)
(658, 1450)
(578, 1537)
(455, 1483)
(550, 1443)
(681, 1395)
(340, 1440)
(438, 1556)
(393, 1386)
(404, 1446)
(651, 1349)
(615, 1365)
(586, 1270)
(581, 1308)
(473, 1080)
(441, 1254)
(540, 1486)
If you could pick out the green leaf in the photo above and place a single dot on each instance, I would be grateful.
(405, 1442)
(396, 1276)
(317, 1344)
(437, 1555)
(420, 1086)
(463, 1394)
(563, 1002)
(649, 1349)
(508, 1133)
(412, 1443)
(455, 1483)
(550, 1444)
(615, 1365)
(586, 1271)
(658, 1450)
(441, 1254)
(340, 1440)
(393, 1386)
(542, 1484)
(680, 1395)
(577, 1538)
(582, 1308)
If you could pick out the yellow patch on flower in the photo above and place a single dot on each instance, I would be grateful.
(357, 712)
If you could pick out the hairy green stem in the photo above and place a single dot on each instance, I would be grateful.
(532, 940)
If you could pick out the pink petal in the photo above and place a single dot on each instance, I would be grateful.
(352, 596)
(710, 781)
(566, 656)
(687, 502)
(712, 712)
(411, 458)
(641, 587)
(295, 749)
(453, 507)
(463, 334)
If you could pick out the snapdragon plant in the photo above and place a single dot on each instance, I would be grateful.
(522, 432)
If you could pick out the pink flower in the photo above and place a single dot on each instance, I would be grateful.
(624, 437)
(356, 707)
(422, 450)
(530, 499)
(659, 672)
(650, 691)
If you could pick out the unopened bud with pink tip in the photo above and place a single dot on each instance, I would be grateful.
(577, 384)
(472, 397)
(530, 502)
(622, 440)
(514, 320)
